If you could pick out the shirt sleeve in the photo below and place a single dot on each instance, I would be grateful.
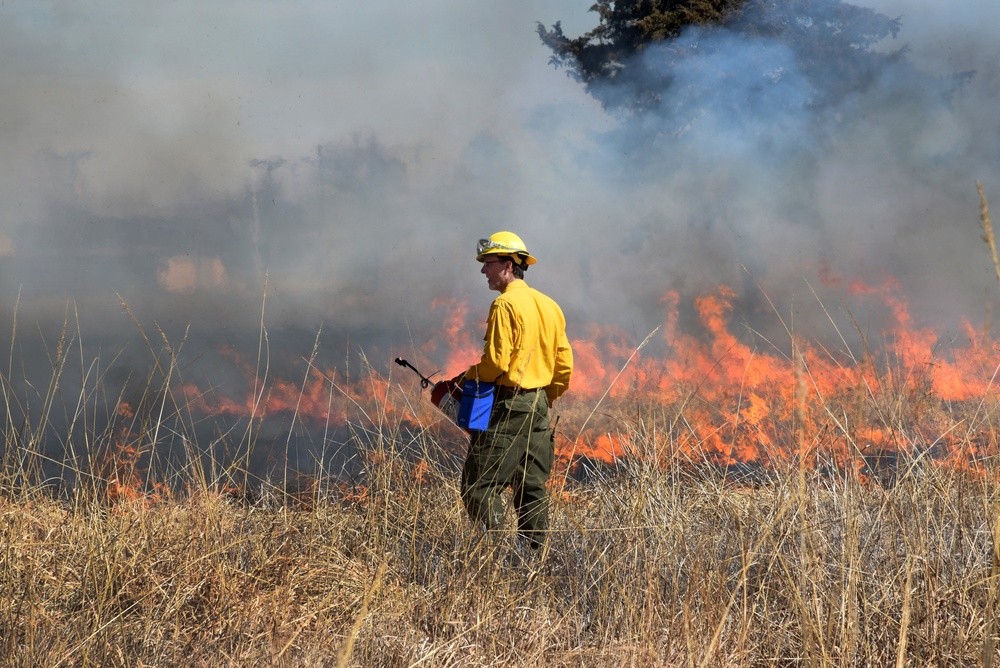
(563, 369)
(495, 362)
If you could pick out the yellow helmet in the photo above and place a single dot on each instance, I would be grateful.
(504, 243)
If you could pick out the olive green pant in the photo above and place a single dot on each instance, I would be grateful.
(516, 451)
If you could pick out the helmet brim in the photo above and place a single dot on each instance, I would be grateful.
(524, 258)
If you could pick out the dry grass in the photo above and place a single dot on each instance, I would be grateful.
(655, 561)
(648, 565)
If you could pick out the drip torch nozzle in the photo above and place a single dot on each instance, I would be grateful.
(424, 382)
(446, 395)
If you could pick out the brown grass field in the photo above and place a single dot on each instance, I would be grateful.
(651, 562)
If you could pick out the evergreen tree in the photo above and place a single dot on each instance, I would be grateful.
(831, 42)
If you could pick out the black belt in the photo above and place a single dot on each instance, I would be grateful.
(505, 392)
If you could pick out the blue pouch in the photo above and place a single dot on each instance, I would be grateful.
(477, 404)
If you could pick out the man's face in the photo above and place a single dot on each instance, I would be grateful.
(498, 273)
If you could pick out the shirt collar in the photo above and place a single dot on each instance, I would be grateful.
(516, 283)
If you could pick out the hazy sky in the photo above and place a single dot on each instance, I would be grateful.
(135, 135)
(177, 152)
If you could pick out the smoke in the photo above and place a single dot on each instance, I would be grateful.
(751, 173)
(332, 167)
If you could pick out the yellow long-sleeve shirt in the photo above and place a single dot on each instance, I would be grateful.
(526, 344)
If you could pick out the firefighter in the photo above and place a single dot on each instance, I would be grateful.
(529, 359)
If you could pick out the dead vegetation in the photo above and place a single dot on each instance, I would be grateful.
(648, 565)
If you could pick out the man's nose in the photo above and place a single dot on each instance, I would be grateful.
(482, 270)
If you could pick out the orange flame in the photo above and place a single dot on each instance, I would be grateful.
(456, 338)
(118, 472)
(724, 398)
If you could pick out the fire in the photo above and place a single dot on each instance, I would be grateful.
(727, 401)
(456, 337)
(722, 396)
(119, 476)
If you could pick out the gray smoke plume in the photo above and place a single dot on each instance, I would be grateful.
(184, 155)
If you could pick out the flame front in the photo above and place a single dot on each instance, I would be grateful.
(726, 402)
(719, 397)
